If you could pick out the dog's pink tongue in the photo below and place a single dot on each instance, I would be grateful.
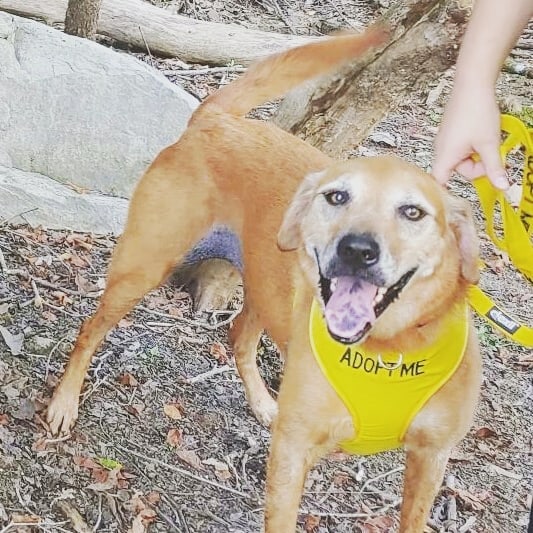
(350, 308)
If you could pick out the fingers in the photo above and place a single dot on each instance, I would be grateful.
(489, 164)
(442, 170)
(493, 168)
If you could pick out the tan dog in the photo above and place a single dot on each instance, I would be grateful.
(380, 222)
(388, 254)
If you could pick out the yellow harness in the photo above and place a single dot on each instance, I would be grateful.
(517, 230)
(384, 392)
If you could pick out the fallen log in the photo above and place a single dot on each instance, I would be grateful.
(141, 25)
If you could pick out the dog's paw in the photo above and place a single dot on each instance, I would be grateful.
(265, 410)
(62, 412)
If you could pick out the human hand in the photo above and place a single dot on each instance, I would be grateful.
(470, 125)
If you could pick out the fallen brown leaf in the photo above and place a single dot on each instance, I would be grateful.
(311, 523)
(61, 298)
(471, 501)
(221, 469)
(174, 438)
(128, 380)
(4, 419)
(135, 409)
(77, 521)
(109, 483)
(190, 457)
(485, 433)
(84, 285)
(218, 351)
(80, 240)
(25, 518)
(173, 411)
(144, 515)
(48, 315)
(153, 497)
(40, 444)
(378, 524)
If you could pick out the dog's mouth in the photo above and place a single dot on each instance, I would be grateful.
(353, 304)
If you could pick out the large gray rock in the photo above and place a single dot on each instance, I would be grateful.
(78, 112)
(37, 199)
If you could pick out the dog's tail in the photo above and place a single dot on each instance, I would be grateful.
(274, 76)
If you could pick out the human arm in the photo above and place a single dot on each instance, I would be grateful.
(471, 121)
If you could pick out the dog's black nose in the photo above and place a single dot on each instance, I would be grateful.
(360, 251)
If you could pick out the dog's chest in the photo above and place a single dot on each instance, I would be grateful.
(383, 392)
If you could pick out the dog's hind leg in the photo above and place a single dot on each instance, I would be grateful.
(161, 228)
(244, 337)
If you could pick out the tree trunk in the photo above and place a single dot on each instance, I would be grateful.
(81, 18)
(336, 114)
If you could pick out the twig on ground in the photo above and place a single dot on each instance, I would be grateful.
(52, 351)
(76, 519)
(282, 15)
(194, 323)
(3, 263)
(181, 515)
(57, 439)
(184, 472)
(467, 526)
(43, 526)
(381, 476)
(43, 283)
(92, 389)
(200, 71)
(337, 515)
(161, 514)
(213, 516)
(62, 310)
(452, 505)
(37, 301)
(147, 47)
(99, 519)
(210, 373)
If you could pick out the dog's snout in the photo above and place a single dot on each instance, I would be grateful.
(359, 251)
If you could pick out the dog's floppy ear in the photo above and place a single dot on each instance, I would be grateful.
(461, 221)
(289, 237)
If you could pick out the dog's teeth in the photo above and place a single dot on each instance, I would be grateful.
(379, 295)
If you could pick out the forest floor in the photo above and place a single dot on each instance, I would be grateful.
(165, 440)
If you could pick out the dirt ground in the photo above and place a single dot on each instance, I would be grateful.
(165, 440)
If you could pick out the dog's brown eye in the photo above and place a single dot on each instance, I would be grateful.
(412, 212)
(337, 197)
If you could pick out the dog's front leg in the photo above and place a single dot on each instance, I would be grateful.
(424, 472)
(292, 453)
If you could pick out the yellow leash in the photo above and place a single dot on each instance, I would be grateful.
(517, 231)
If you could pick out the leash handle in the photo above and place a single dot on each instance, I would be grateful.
(517, 230)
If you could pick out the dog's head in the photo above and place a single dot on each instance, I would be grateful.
(384, 245)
